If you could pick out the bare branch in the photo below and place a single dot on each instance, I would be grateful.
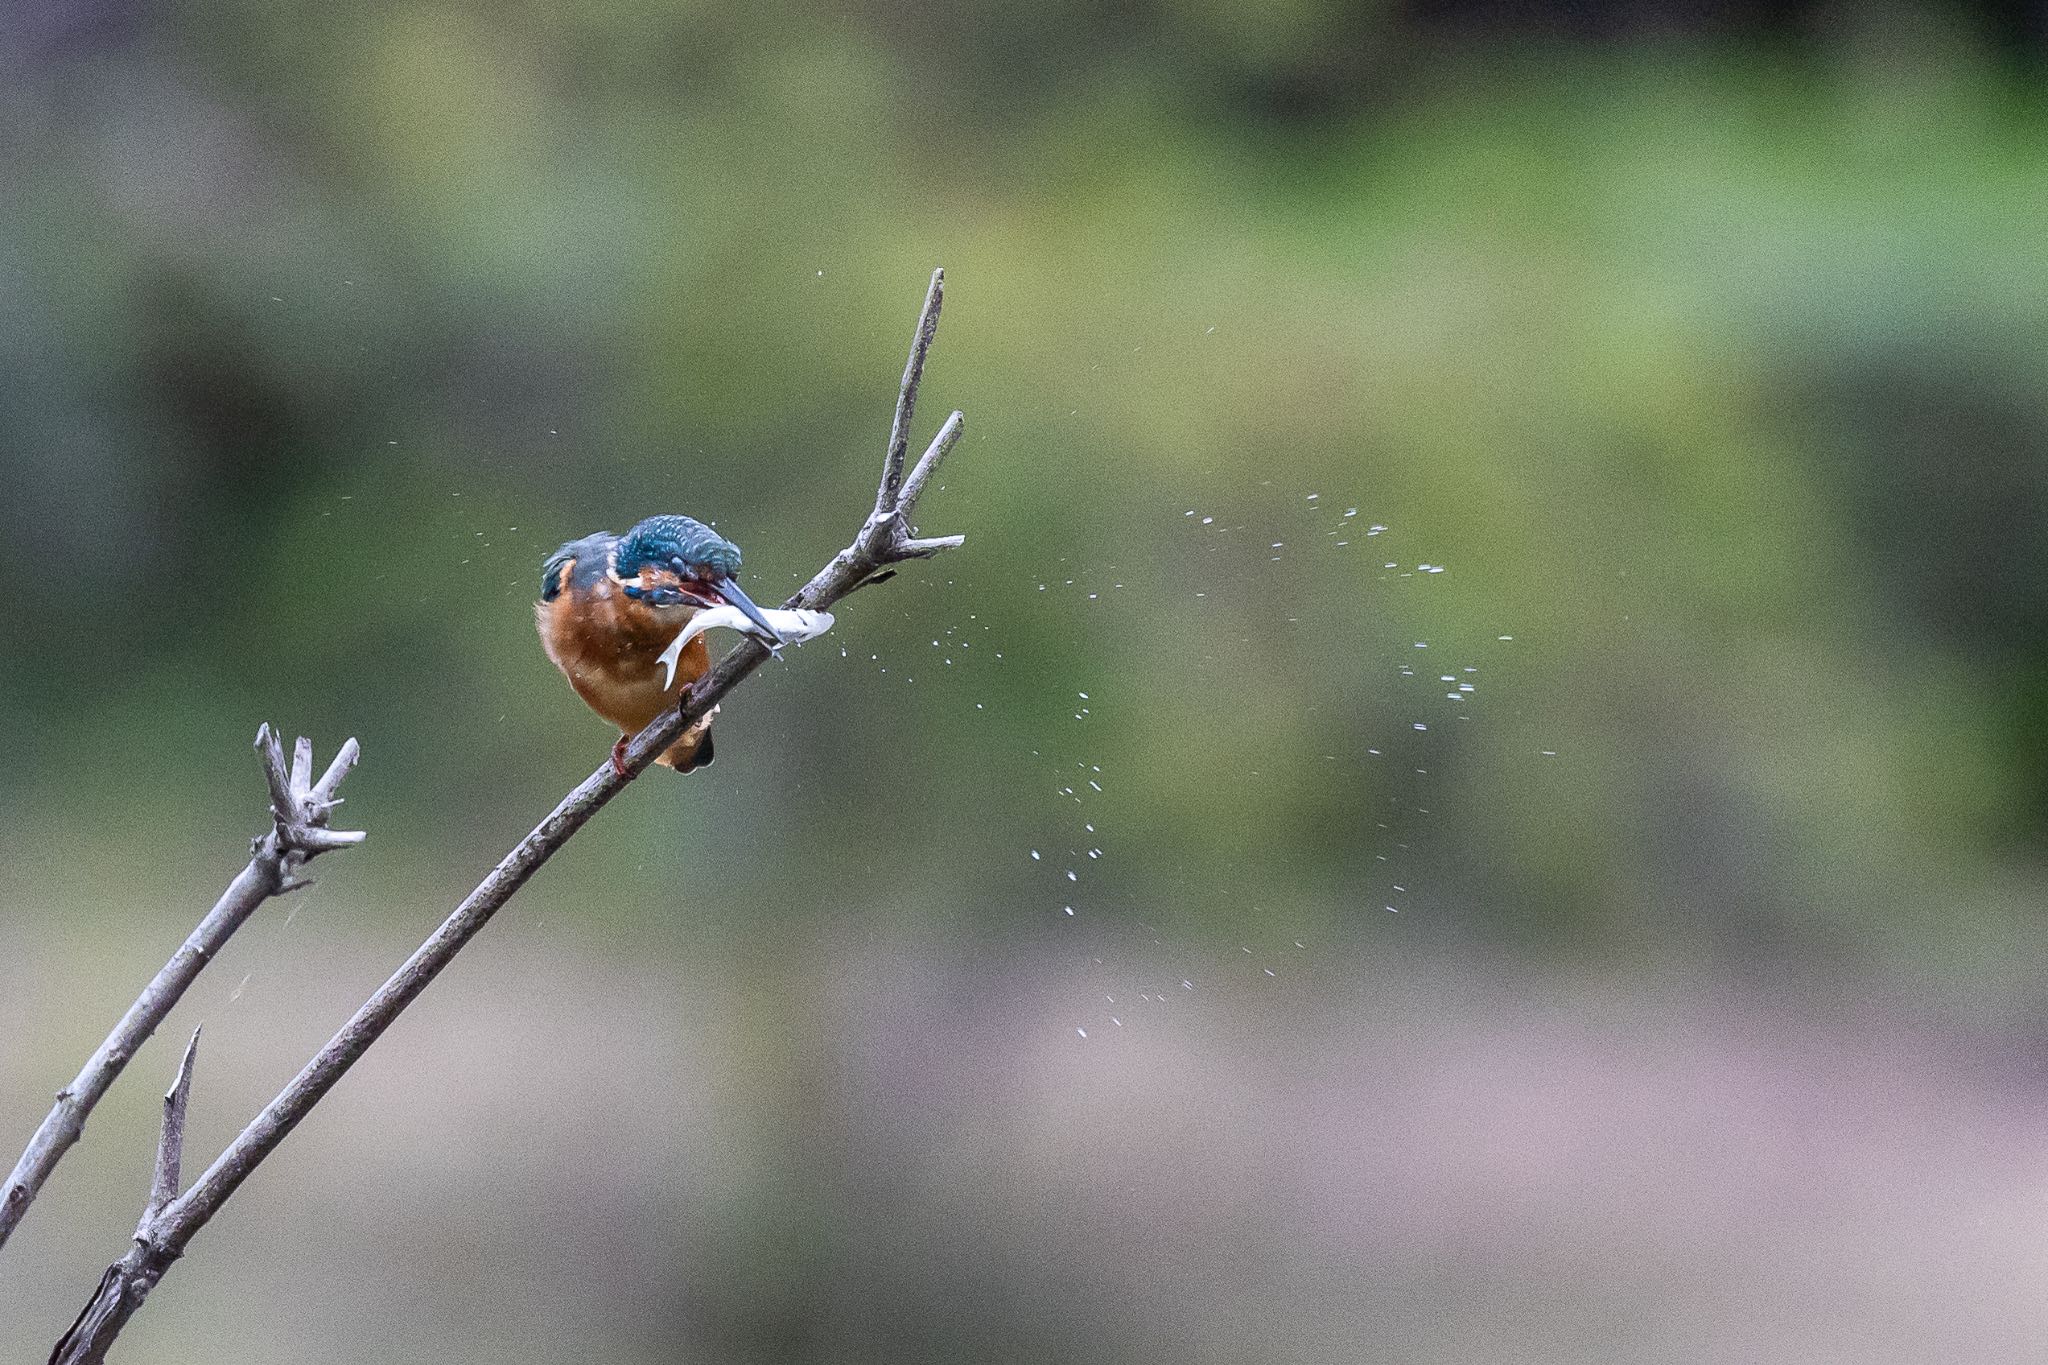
(906, 396)
(926, 547)
(344, 759)
(121, 1290)
(934, 455)
(284, 808)
(272, 870)
(170, 1146)
(314, 840)
(881, 541)
(302, 769)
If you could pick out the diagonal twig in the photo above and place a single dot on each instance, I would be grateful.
(888, 493)
(883, 540)
(170, 1147)
(298, 832)
(934, 455)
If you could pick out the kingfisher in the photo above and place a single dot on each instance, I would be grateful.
(612, 606)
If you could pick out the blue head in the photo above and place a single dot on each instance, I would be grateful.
(705, 561)
(662, 541)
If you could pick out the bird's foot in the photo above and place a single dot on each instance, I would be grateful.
(619, 757)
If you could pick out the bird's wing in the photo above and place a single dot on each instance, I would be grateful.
(551, 572)
(587, 556)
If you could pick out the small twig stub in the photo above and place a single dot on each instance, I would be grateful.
(170, 1147)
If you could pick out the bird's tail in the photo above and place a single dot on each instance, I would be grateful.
(692, 751)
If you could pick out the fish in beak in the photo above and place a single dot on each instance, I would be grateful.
(790, 626)
(737, 597)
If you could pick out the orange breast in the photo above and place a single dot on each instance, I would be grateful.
(609, 648)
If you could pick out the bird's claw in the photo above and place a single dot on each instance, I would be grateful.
(619, 757)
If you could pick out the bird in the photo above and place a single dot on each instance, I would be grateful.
(611, 605)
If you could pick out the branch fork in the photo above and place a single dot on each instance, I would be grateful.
(884, 540)
(300, 808)
(128, 1281)
(887, 536)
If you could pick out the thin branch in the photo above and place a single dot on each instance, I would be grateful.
(170, 1146)
(924, 547)
(881, 541)
(887, 496)
(298, 832)
(284, 805)
(330, 781)
(934, 455)
(302, 767)
(313, 840)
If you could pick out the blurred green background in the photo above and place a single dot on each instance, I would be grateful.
(1571, 476)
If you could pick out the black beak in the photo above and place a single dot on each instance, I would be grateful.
(732, 593)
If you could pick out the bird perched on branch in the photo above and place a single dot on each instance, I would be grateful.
(610, 606)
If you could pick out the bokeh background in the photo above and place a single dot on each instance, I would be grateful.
(1503, 590)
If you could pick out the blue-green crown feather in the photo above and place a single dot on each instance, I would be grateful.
(660, 540)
